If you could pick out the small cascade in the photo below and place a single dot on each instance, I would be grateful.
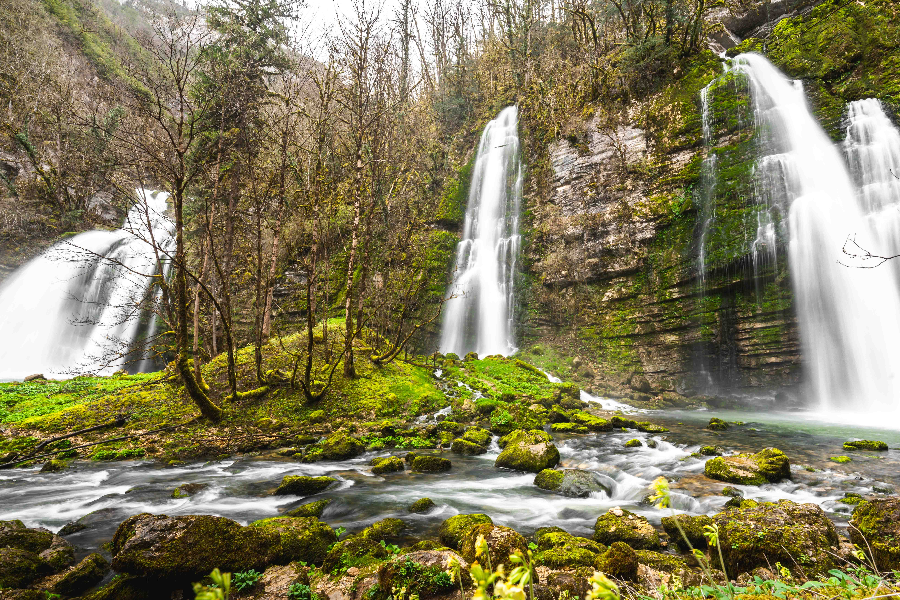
(479, 314)
(78, 306)
(849, 317)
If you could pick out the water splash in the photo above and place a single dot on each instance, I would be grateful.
(479, 315)
(849, 317)
(78, 306)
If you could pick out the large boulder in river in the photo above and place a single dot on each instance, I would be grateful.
(875, 527)
(799, 536)
(186, 548)
(301, 485)
(456, 527)
(531, 450)
(620, 525)
(558, 549)
(80, 578)
(767, 466)
(501, 543)
(302, 538)
(19, 568)
(576, 483)
(341, 446)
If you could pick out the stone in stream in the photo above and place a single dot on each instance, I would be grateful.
(558, 549)
(453, 529)
(633, 443)
(770, 465)
(79, 578)
(301, 485)
(875, 527)
(422, 505)
(866, 445)
(54, 466)
(387, 464)
(501, 543)
(186, 490)
(99, 516)
(620, 525)
(338, 446)
(717, 424)
(303, 539)
(531, 451)
(799, 536)
(575, 483)
(466, 448)
(310, 509)
(428, 463)
(14, 534)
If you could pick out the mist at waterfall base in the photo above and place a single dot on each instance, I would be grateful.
(79, 306)
(818, 199)
(479, 313)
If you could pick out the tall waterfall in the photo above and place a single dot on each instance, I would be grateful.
(479, 311)
(849, 316)
(77, 307)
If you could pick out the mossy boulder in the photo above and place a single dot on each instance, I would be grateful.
(428, 463)
(619, 561)
(466, 448)
(711, 451)
(619, 422)
(531, 451)
(354, 551)
(54, 466)
(422, 505)
(477, 435)
(770, 465)
(648, 427)
(592, 422)
(558, 549)
(384, 530)
(79, 578)
(301, 485)
(19, 568)
(866, 445)
(875, 527)
(575, 483)
(340, 446)
(124, 587)
(690, 532)
(568, 428)
(633, 443)
(453, 529)
(716, 424)
(310, 509)
(387, 464)
(424, 573)
(302, 538)
(620, 525)
(799, 536)
(186, 548)
(14, 534)
(501, 543)
(59, 555)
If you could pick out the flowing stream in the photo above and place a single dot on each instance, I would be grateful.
(479, 313)
(78, 306)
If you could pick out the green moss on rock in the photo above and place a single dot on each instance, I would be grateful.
(19, 568)
(477, 435)
(466, 448)
(875, 527)
(310, 509)
(840, 459)
(717, 424)
(453, 529)
(548, 479)
(568, 428)
(302, 538)
(619, 561)
(422, 505)
(80, 578)
(501, 543)
(558, 549)
(691, 532)
(530, 451)
(770, 465)
(340, 446)
(620, 525)
(301, 485)
(633, 443)
(387, 464)
(428, 463)
(866, 445)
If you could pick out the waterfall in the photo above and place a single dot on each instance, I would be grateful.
(849, 316)
(479, 311)
(78, 306)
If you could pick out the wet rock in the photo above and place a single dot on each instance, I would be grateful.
(59, 555)
(799, 536)
(19, 568)
(634, 443)
(466, 448)
(501, 543)
(302, 538)
(549, 479)
(648, 427)
(690, 533)
(875, 527)
(310, 509)
(770, 465)
(428, 463)
(186, 548)
(102, 516)
(568, 428)
(424, 573)
(186, 490)
(14, 534)
(531, 451)
(124, 587)
(22, 595)
(79, 578)
(592, 422)
(639, 383)
(387, 464)
(338, 446)
(301, 485)
(866, 445)
(575, 483)
(622, 422)
(716, 424)
(422, 505)
(54, 466)
(453, 529)
(619, 561)
(619, 525)
(558, 549)
(384, 530)
(477, 435)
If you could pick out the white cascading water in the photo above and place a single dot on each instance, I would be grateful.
(479, 311)
(849, 316)
(76, 308)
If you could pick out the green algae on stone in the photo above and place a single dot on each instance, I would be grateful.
(428, 463)
(302, 485)
(717, 424)
(477, 435)
(840, 459)
(592, 422)
(548, 479)
(422, 505)
(620, 525)
(648, 427)
(711, 451)
(633, 443)
(19, 568)
(387, 464)
(619, 561)
(866, 445)
(453, 530)
(531, 451)
(851, 499)
(467, 448)
(80, 578)
(875, 528)
(302, 538)
(310, 509)
(568, 428)
(558, 549)
(769, 465)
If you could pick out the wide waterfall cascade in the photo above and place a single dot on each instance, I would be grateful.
(849, 316)
(479, 313)
(77, 307)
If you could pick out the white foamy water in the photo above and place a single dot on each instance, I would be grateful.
(77, 307)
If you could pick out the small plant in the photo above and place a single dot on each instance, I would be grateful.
(301, 591)
(245, 580)
(340, 531)
(219, 590)
(391, 548)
